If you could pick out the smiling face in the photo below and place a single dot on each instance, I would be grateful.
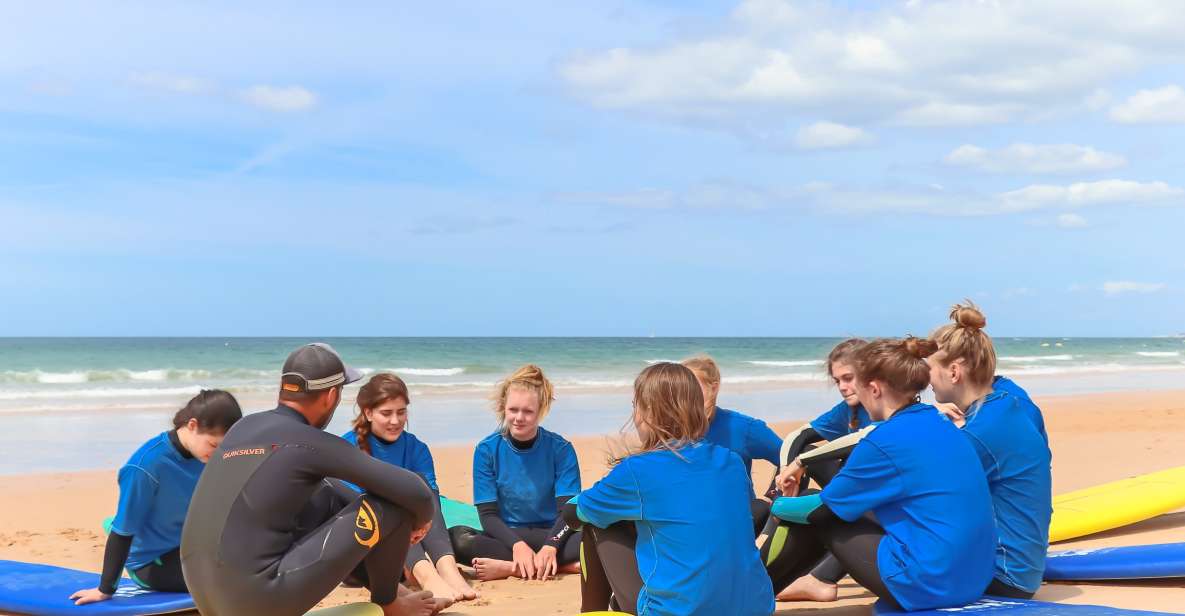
(388, 419)
(522, 413)
(844, 377)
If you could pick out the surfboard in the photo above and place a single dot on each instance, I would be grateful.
(1116, 504)
(349, 609)
(1017, 607)
(1134, 562)
(44, 590)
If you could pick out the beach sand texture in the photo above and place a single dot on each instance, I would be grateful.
(54, 518)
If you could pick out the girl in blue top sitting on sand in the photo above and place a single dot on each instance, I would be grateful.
(522, 477)
(668, 530)
(1008, 434)
(155, 486)
(380, 429)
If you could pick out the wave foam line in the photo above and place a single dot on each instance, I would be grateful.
(1036, 358)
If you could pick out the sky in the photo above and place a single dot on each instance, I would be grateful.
(752, 168)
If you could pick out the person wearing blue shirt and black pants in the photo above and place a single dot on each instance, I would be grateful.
(155, 486)
(522, 477)
(933, 540)
(1008, 434)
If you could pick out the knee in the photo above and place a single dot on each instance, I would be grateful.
(461, 538)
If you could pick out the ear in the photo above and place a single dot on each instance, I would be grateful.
(874, 388)
(955, 371)
(192, 424)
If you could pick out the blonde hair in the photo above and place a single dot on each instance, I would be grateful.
(530, 378)
(705, 367)
(669, 403)
(965, 339)
(898, 363)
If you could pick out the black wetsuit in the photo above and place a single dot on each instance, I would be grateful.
(268, 533)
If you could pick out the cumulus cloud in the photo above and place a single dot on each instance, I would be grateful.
(830, 135)
(1103, 192)
(174, 84)
(785, 58)
(1034, 159)
(282, 99)
(1117, 287)
(1162, 105)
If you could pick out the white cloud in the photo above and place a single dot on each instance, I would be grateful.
(830, 135)
(1001, 61)
(1103, 192)
(1163, 105)
(283, 99)
(1070, 221)
(1127, 286)
(174, 84)
(1034, 159)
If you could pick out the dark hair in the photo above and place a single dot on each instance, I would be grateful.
(845, 352)
(899, 363)
(215, 411)
(379, 389)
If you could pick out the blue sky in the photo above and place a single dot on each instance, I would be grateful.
(591, 168)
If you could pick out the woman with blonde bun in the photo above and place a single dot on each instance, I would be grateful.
(1008, 434)
(522, 477)
(932, 543)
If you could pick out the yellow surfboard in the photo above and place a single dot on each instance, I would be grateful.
(349, 609)
(1116, 504)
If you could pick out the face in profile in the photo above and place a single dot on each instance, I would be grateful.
(844, 377)
(941, 377)
(522, 413)
(201, 445)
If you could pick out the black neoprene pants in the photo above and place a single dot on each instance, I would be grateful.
(164, 573)
(436, 543)
(470, 543)
(609, 567)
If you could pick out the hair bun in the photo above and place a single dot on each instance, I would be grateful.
(968, 315)
(920, 348)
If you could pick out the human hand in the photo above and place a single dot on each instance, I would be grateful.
(952, 412)
(790, 478)
(90, 595)
(524, 560)
(418, 534)
(545, 562)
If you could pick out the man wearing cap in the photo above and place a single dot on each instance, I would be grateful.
(271, 531)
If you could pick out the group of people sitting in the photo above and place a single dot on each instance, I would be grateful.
(924, 506)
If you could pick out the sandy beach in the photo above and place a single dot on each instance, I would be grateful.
(54, 518)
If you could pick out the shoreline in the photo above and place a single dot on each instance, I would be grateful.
(1095, 438)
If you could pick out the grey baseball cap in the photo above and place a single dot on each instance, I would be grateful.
(315, 367)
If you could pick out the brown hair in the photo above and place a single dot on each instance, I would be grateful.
(845, 352)
(900, 363)
(669, 402)
(380, 388)
(965, 339)
(531, 378)
(704, 366)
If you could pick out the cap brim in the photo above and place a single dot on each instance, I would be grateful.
(353, 375)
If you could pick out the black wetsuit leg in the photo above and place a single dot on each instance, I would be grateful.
(854, 545)
(435, 546)
(470, 543)
(1000, 589)
(610, 565)
(759, 509)
(829, 570)
(164, 573)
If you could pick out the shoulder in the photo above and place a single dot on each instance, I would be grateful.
(351, 437)
(488, 445)
(558, 442)
(150, 454)
(413, 442)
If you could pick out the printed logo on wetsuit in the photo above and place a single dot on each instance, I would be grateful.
(258, 451)
(367, 525)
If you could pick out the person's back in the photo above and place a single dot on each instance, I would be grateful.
(1016, 460)
(935, 508)
(748, 436)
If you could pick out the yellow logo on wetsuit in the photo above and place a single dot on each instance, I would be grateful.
(368, 522)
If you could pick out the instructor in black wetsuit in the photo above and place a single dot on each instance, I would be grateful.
(270, 530)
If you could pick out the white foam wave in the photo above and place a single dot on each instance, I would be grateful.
(661, 361)
(148, 375)
(133, 376)
(113, 392)
(799, 377)
(429, 371)
(1158, 353)
(787, 364)
(1036, 358)
(60, 377)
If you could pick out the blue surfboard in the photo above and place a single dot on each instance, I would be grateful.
(44, 590)
(1135, 562)
(1017, 607)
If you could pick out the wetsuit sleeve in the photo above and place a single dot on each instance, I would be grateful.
(835, 450)
(115, 556)
(485, 485)
(399, 486)
(796, 508)
(494, 526)
(559, 530)
(615, 498)
(868, 480)
(423, 465)
(567, 472)
(763, 443)
(570, 516)
(137, 492)
(795, 442)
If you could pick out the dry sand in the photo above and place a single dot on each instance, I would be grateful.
(54, 518)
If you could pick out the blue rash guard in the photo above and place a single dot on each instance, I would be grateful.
(749, 437)
(154, 491)
(838, 421)
(1016, 460)
(695, 545)
(1003, 383)
(923, 481)
(407, 452)
(525, 482)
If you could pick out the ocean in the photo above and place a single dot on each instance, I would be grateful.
(77, 403)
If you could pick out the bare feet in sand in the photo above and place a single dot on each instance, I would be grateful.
(810, 588)
(413, 604)
(430, 580)
(489, 569)
(447, 568)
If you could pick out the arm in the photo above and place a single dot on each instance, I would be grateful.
(803, 510)
(337, 458)
(115, 556)
(833, 450)
(425, 467)
(560, 531)
(494, 526)
(794, 443)
(137, 492)
(868, 480)
(763, 443)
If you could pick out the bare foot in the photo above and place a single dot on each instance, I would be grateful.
(489, 569)
(440, 604)
(428, 579)
(412, 604)
(810, 588)
(462, 591)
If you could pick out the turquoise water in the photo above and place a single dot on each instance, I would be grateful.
(69, 403)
